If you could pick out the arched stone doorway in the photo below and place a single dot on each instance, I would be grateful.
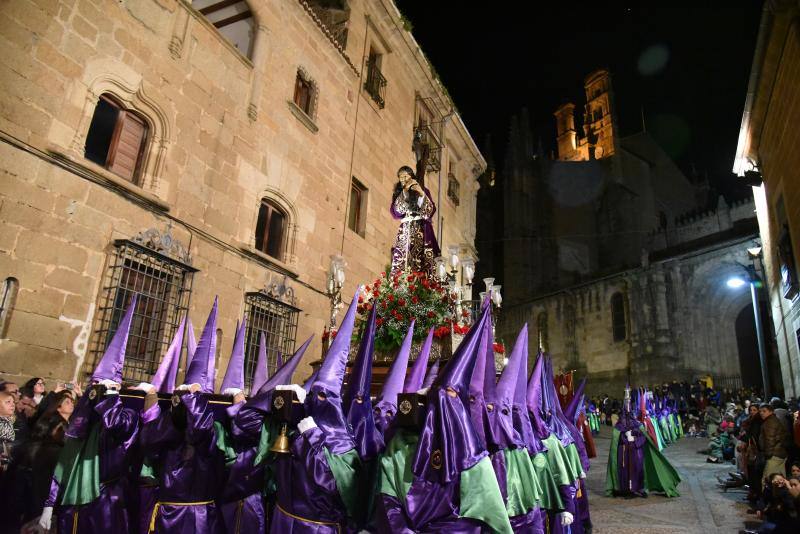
(747, 345)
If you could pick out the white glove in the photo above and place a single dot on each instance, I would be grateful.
(629, 436)
(45, 519)
(298, 390)
(566, 519)
(186, 387)
(231, 391)
(146, 387)
(306, 424)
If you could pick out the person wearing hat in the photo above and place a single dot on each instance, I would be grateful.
(90, 484)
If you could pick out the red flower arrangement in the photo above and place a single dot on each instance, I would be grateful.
(499, 348)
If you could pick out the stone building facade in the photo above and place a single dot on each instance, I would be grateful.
(767, 150)
(615, 260)
(182, 150)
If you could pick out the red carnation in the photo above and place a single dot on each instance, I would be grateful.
(414, 299)
(390, 297)
(360, 299)
(401, 301)
(431, 314)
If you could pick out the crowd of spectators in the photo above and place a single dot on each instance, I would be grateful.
(32, 426)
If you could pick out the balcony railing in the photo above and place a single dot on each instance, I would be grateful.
(425, 136)
(375, 84)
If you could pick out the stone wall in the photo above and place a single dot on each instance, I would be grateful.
(223, 134)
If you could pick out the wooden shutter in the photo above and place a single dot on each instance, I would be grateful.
(126, 146)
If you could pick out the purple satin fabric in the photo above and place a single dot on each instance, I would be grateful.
(246, 516)
(429, 508)
(385, 412)
(191, 466)
(82, 417)
(522, 424)
(500, 473)
(568, 497)
(530, 523)
(582, 506)
(551, 406)
(479, 417)
(630, 456)
(448, 430)
(306, 487)
(148, 496)
(428, 234)
(503, 433)
(329, 417)
(107, 513)
(284, 523)
(369, 441)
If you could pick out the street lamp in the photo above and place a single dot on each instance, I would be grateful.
(334, 286)
(754, 281)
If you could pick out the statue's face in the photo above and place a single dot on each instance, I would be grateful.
(403, 176)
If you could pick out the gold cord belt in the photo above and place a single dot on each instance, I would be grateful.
(159, 504)
(316, 522)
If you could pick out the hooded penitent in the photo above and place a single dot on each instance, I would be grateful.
(324, 401)
(533, 399)
(448, 444)
(261, 373)
(551, 407)
(357, 404)
(167, 372)
(501, 399)
(521, 418)
(386, 405)
(234, 375)
(433, 374)
(417, 374)
(480, 382)
(198, 371)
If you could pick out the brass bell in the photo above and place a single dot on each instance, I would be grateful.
(281, 445)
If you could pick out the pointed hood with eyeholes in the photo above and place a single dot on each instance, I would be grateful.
(234, 374)
(261, 373)
(357, 402)
(324, 400)
(433, 374)
(416, 376)
(386, 405)
(262, 399)
(197, 373)
(533, 399)
(501, 399)
(521, 416)
(167, 372)
(448, 444)
(113, 360)
(573, 409)
(109, 368)
(482, 383)
(551, 406)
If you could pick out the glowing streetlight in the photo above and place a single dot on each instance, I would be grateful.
(735, 282)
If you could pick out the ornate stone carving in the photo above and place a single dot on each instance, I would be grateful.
(164, 243)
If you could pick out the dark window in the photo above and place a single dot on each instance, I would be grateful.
(303, 94)
(619, 324)
(278, 322)
(357, 210)
(453, 188)
(271, 229)
(116, 139)
(163, 285)
(376, 83)
(8, 298)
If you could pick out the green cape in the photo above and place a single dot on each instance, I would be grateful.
(78, 469)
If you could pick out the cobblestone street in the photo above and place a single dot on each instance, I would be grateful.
(701, 508)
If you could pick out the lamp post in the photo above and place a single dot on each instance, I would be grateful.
(755, 282)
(334, 290)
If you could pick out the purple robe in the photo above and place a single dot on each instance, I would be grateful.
(630, 455)
(118, 432)
(191, 468)
(415, 246)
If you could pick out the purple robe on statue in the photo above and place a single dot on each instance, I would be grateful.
(415, 246)
(191, 468)
(118, 432)
(630, 455)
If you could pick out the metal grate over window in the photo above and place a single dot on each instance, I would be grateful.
(163, 285)
(278, 322)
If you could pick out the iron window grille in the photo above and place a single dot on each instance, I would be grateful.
(425, 136)
(453, 188)
(277, 320)
(163, 285)
(376, 82)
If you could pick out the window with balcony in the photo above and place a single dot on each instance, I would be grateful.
(271, 229)
(375, 85)
(357, 209)
(426, 141)
(453, 187)
(116, 139)
(233, 19)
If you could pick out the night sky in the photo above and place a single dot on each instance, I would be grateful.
(686, 68)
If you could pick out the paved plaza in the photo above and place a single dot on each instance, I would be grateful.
(701, 508)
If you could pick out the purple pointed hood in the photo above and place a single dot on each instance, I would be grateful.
(386, 405)
(534, 399)
(191, 342)
(481, 384)
(324, 401)
(262, 372)
(501, 400)
(278, 360)
(167, 372)
(448, 444)
(417, 374)
(433, 373)
(357, 403)
(551, 407)
(521, 416)
(571, 412)
(234, 374)
(113, 360)
(262, 399)
(310, 380)
(197, 373)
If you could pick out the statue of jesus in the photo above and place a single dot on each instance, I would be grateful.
(415, 246)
